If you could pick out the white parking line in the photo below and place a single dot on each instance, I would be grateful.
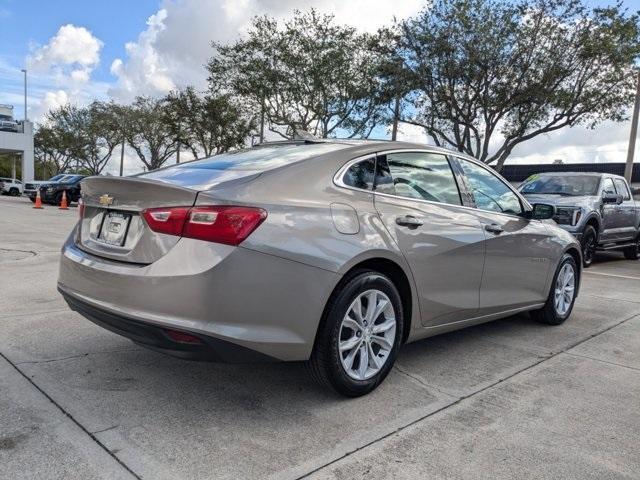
(611, 275)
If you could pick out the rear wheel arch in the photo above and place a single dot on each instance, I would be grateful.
(390, 269)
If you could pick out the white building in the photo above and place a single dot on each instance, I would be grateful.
(20, 142)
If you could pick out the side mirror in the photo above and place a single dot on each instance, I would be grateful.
(612, 198)
(542, 211)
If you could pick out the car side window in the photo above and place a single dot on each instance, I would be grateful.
(607, 186)
(489, 192)
(419, 175)
(360, 175)
(622, 188)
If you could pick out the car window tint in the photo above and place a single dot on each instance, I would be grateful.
(489, 192)
(622, 189)
(360, 175)
(607, 186)
(420, 175)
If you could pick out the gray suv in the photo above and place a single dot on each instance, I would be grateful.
(597, 208)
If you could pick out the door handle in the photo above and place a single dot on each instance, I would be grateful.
(494, 228)
(409, 221)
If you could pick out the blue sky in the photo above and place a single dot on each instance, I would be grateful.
(80, 50)
(27, 22)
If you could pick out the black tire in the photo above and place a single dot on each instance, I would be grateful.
(14, 192)
(549, 314)
(633, 253)
(58, 199)
(325, 363)
(589, 242)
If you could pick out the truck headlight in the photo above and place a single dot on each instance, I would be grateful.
(568, 215)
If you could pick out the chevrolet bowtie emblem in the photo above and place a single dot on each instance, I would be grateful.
(105, 200)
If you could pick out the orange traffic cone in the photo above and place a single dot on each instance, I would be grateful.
(38, 203)
(63, 203)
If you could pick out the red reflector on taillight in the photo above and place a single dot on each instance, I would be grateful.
(182, 337)
(166, 220)
(226, 224)
(223, 224)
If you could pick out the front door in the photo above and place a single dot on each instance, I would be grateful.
(518, 252)
(610, 214)
(626, 211)
(417, 198)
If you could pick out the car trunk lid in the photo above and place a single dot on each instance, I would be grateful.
(112, 225)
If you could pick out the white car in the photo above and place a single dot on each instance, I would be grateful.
(11, 186)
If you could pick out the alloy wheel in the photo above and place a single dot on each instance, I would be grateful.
(589, 248)
(367, 335)
(565, 289)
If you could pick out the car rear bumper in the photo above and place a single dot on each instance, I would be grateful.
(158, 338)
(258, 302)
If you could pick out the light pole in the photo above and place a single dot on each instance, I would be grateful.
(628, 170)
(24, 70)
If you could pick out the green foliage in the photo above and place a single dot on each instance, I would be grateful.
(81, 136)
(474, 68)
(480, 76)
(146, 128)
(308, 74)
(209, 124)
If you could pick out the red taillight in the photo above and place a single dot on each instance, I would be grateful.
(226, 224)
(166, 220)
(80, 208)
(182, 337)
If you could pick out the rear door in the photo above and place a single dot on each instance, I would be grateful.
(626, 211)
(417, 197)
(518, 251)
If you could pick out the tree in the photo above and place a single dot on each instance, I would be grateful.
(52, 149)
(307, 75)
(87, 135)
(209, 124)
(148, 131)
(488, 75)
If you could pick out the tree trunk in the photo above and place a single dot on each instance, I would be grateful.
(396, 117)
(122, 157)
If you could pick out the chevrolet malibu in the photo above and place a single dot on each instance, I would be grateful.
(332, 252)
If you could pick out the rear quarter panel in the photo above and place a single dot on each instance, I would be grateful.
(300, 226)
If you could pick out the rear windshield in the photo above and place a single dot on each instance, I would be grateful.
(259, 158)
(566, 185)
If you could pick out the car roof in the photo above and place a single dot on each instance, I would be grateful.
(370, 144)
(587, 174)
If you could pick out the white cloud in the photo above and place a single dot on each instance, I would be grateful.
(53, 100)
(70, 46)
(60, 71)
(176, 45)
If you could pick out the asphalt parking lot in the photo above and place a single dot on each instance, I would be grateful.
(509, 399)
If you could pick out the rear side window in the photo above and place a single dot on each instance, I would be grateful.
(489, 192)
(621, 187)
(360, 175)
(607, 186)
(419, 175)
